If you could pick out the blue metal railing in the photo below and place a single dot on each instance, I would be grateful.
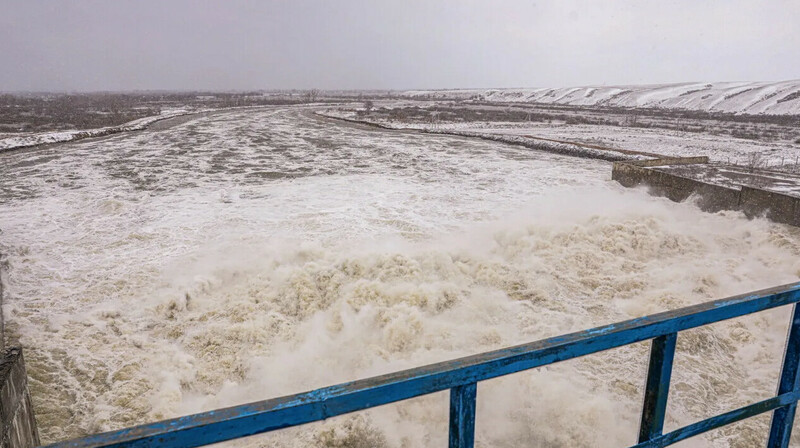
(462, 375)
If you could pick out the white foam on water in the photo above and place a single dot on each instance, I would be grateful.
(156, 275)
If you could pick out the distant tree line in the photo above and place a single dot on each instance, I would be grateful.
(52, 112)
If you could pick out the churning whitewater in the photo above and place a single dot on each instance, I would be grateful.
(250, 254)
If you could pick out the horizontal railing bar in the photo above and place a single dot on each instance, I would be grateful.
(262, 416)
(721, 420)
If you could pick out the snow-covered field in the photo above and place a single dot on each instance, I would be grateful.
(255, 253)
(670, 143)
(485, 131)
(11, 141)
(664, 142)
(778, 98)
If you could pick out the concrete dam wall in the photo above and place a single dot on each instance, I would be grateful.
(752, 201)
(17, 421)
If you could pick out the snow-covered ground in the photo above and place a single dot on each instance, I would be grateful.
(664, 142)
(778, 98)
(11, 141)
(565, 148)
(669, 143)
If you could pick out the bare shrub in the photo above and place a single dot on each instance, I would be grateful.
(754, 161)
(311, 95)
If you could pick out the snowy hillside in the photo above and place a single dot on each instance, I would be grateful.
(777, 98)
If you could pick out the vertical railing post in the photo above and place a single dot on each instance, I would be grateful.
(462, 416)
(781, 429)
(662, 353)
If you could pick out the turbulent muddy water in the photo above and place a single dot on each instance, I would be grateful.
(251, 254)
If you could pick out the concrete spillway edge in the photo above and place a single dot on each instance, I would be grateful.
(17, 421)
(753, 202)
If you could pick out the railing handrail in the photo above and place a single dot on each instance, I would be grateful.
(461, 375)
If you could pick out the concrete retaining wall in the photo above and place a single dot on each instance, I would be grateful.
(17, 422)
(752, 201)
(778, 207)
(670, 161)
(2, 298)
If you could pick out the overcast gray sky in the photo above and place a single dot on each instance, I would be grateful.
(382, 44)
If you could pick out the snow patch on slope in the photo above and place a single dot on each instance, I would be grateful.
(775, 98)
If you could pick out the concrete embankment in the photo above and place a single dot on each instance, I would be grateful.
(2, 301)
(48, 138)
(776, 206)
(17, 421)
(551, 146)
